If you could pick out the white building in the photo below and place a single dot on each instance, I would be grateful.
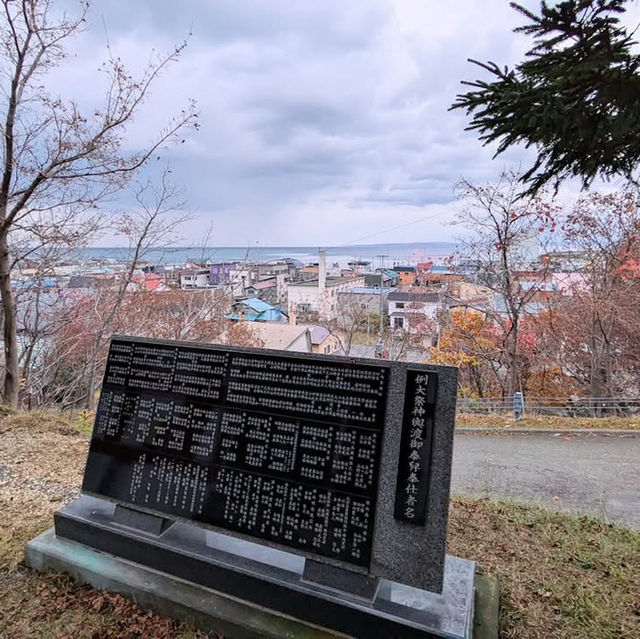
(320, 296)
(409, 311)
(194, 278)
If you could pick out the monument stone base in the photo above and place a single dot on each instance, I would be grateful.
(238, 588)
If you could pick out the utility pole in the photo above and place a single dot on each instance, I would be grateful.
(379, 345)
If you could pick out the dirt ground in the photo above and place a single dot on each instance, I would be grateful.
(561, 577)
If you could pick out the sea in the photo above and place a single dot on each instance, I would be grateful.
(376, 254)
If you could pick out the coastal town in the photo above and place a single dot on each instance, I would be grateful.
(285, 303)
(442, 310)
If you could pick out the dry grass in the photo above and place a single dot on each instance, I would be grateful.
(42, 459)
(561, 577)
(506, 421)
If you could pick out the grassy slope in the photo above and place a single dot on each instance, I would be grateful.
(506, 421)
(561, 577)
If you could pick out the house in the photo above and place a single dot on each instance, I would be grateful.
(308, 272)
(294, 267)
(255, 310)
(195, 278)
(438, 276)
(406, 275)
(269, 270)
(281, 337)
(565, 261)
(570, 283)
(266, 290)
(91, 281)
(319, 296)
(232, 276)
(149, 282)
(172, 276)
(389, 278)
(464, 291)
(365, 299)
(276, 273)
(408, 310)
(358, 267)
(323, 342)
(221, 273)
(44, 284)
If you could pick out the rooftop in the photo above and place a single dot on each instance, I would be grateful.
(277, 336)
(256, 305)
(318, 334)
(259, 286)
(331, 281)
(368, 290)
(401, 296)
(405, 269)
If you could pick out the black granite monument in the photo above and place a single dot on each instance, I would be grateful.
(314, 489)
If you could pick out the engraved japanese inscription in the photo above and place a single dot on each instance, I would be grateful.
(412, 486)
(281, 448)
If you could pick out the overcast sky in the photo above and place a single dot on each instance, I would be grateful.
(324, 122)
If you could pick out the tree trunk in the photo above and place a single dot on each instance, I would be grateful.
(596, 381)
(513, 383)
(477, 378)
(91, 383)
(10, 329)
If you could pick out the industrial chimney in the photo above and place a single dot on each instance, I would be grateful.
(322, 270)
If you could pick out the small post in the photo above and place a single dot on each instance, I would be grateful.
(518, 405)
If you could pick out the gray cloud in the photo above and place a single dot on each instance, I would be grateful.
(321, 121)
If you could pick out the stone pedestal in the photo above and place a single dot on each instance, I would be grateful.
(240, 588)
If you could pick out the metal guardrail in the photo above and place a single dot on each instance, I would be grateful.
(560, 406)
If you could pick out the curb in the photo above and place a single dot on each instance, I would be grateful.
(486, 618)
(549, 431)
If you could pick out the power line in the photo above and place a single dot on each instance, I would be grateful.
(393, 228)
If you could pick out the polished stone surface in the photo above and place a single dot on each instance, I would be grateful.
(402, 551)
(375, 544)
(265, 579)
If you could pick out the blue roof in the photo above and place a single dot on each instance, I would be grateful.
(257, 305)
(258, 311)
(406, 269)
(45, 283)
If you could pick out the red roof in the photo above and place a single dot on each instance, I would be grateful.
(262, 285)
(152, 284)
(148, 281)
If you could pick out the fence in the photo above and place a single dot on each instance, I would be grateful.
(562, 406)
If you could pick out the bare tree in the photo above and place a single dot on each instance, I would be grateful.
(351, 317)
(413, 339)
(601, 328)
(55, 159)
(507, 235)
(156, 220)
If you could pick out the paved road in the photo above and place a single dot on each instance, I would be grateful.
(585, 474)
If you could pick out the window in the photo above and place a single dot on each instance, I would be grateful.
(398, 322)
(399, 304)
(327, 350)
